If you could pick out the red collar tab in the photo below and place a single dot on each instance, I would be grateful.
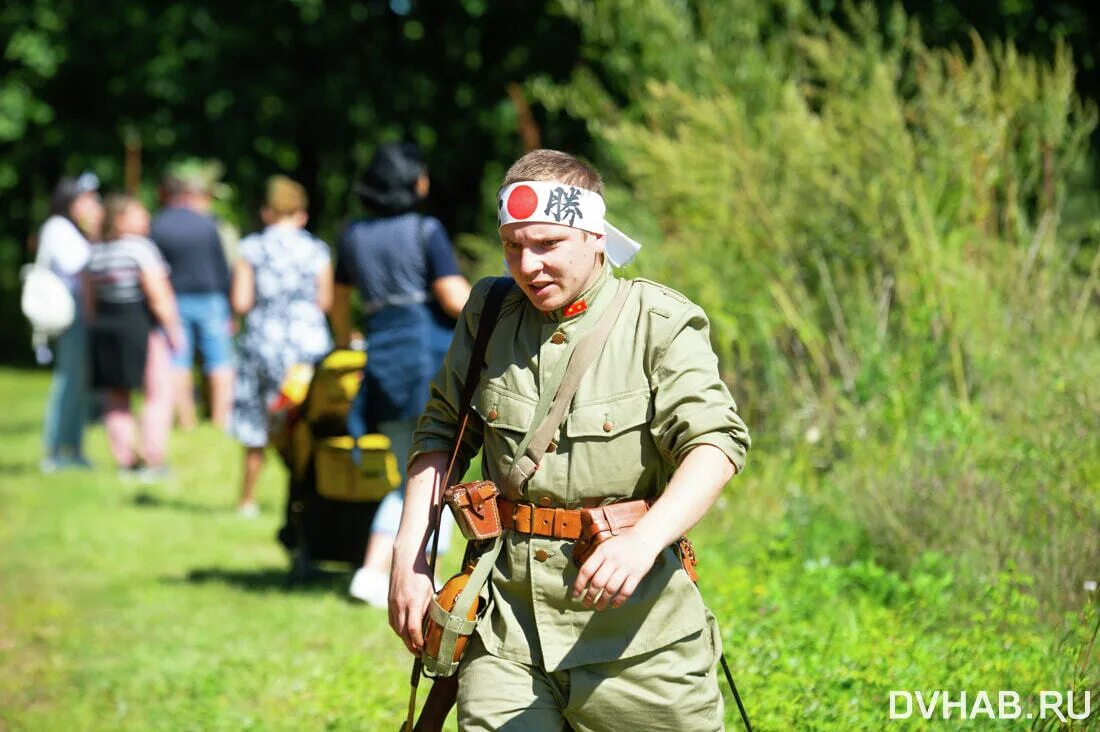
(575, 309)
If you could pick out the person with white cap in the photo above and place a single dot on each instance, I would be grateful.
(64, 248)
(624, 641)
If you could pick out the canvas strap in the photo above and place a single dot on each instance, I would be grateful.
(455, 623)
(550, 413)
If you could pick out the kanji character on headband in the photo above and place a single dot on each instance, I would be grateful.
(554, 202)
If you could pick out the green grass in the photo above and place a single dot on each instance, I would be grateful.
(167, 611)
(170, 612)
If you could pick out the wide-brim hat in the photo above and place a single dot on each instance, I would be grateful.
(389, 182)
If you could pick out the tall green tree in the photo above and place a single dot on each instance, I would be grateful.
(297, 86)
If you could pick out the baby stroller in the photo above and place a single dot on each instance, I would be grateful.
(331, 501)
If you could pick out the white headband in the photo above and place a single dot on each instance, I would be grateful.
(551, 202)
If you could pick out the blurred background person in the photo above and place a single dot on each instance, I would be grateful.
(282, 285)
(76, 215)
(187, 235)
(404, 268)
(134, 324)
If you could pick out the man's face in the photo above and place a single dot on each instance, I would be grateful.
(551, 263)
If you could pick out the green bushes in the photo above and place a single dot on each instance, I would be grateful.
(876, 230)
(821, 646)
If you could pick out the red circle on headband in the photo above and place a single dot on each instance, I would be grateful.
(522, 202)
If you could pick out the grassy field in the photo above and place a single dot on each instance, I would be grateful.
(124, 607)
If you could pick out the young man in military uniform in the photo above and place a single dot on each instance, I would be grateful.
(625, 642)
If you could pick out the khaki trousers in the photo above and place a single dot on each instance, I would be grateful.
(669, 689)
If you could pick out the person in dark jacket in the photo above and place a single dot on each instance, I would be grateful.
(187, 235)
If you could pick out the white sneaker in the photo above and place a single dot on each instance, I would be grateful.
(153, 474)
(371, 586)
(248, 510)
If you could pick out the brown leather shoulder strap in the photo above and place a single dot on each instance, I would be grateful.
(485, 326)
(488, 321)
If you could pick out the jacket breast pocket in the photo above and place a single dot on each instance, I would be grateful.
(611, 449)
(506, 417)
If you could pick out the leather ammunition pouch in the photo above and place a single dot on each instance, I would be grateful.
(603, 522)
(474, 506)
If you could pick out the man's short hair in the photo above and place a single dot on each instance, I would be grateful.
(194, 176)
(554, 165)
(174, 186)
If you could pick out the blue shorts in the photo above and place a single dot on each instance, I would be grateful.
(205, 320)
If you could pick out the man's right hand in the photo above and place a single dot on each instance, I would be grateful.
(411, 581)
(411, 591)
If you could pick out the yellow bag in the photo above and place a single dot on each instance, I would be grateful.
(339, 479)
(322, 406)
(334, 386)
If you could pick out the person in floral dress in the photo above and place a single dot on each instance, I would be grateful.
(282, 285)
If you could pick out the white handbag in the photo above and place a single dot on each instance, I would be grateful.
(46, 300)
(48, 305)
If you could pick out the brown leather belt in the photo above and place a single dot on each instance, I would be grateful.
(527, 518)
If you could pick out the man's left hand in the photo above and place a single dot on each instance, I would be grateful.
(611, 575)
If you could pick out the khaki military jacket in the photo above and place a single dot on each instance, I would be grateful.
(651, 396)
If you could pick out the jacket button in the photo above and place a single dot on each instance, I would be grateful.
(492, 415)
(545, 501)
(607, 426)
(542, 555)
(558, 338)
